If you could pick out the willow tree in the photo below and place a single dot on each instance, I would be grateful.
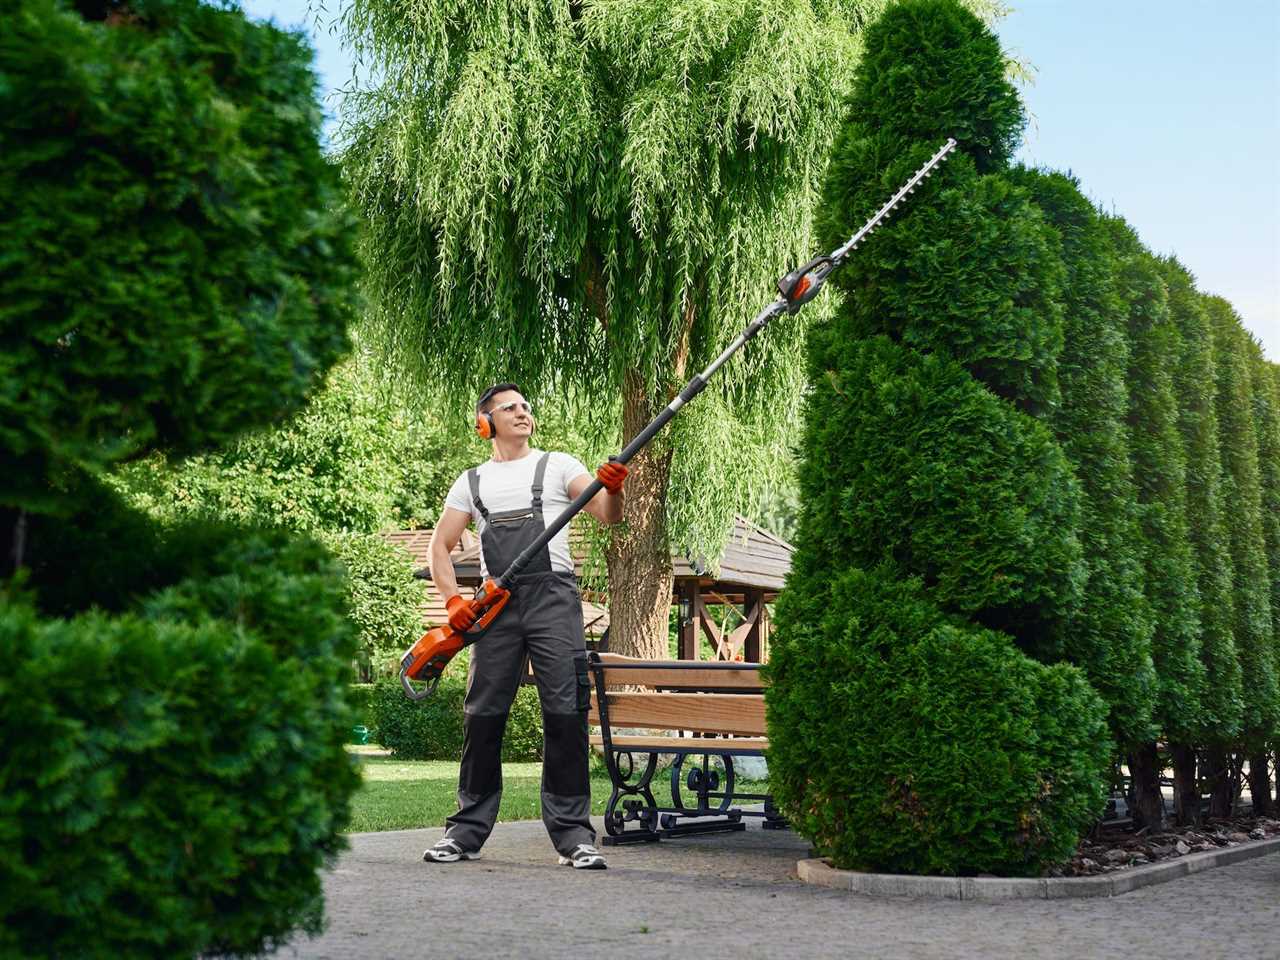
(596, 197)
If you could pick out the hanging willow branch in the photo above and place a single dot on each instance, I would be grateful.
(565, 194)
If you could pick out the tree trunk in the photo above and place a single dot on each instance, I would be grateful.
(1186, 790)
(638, 556)
(1148, 804)
(1216, 772)
(17, 520)
(1260, 783)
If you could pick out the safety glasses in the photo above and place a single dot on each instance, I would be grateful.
(513, 405)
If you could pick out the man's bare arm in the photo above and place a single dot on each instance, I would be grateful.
(443, 539)
(604, 506)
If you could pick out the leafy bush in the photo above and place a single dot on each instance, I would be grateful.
(360, 696)
(174, 776)
(907, 741)
(384, 599)
(431, 729)
(180, 267)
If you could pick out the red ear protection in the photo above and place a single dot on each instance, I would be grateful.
(484, 426)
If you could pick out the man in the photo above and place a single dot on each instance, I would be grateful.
(512, 498)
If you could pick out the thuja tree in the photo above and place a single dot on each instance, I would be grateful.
(1159, 469)
(171, 696)
(1251, 607)
(1266, 418)
(1110, 632)
(602, 194)
(937, 527)
(1220, 700)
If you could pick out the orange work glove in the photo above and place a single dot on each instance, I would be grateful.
(612, 474)
(462, 613)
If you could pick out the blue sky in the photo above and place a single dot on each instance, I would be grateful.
(1168, 112)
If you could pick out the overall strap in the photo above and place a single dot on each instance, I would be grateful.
(473, 478)
(538, 476)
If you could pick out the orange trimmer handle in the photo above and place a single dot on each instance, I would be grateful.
(492, 599)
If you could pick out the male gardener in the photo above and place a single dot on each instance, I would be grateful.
(512, 498)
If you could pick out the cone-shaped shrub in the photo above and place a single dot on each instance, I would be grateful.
(1220, 703)
(1110, 634)
(1160, 471)
(1266, 418)
(938, 523)
(1242, 493)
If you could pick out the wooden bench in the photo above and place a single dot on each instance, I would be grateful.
(721, 708)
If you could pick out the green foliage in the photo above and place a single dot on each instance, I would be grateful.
(1220, 703)
(384, 600)
(1241, 484)
(968, 270)
(907, 741)
(177, 265)
(1109, 635)
(912, 462)
(1266, 417)
(938, 523)
(174, 776)
(1160, 472)
(932, 70)
(431, 729)
(360, 696)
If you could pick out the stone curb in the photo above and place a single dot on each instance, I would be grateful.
(822, 874)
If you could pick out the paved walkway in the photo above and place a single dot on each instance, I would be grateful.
(734, 896)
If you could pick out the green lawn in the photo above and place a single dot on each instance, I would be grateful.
(408, 794)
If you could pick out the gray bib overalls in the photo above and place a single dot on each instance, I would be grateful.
(544, 619)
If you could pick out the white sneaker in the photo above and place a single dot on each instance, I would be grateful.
(584, 857)
(447, 851)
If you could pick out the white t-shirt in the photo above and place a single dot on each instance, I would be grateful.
(509, 486)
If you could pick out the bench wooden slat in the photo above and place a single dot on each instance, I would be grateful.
(649, 673)
(692, 744)
(701, 712)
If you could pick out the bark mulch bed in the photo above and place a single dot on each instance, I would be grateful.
(1112, 848)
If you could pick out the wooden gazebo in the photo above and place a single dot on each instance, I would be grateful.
(752, 570)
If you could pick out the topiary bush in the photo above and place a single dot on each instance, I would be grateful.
(174, 776)
(914, 723)
(172, 697)
(909, 741)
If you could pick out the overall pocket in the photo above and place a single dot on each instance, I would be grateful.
(584, 681)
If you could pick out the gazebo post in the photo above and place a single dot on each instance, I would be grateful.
(687, 602)
(753, 601)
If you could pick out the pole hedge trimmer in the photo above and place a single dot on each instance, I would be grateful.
(425, 660)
